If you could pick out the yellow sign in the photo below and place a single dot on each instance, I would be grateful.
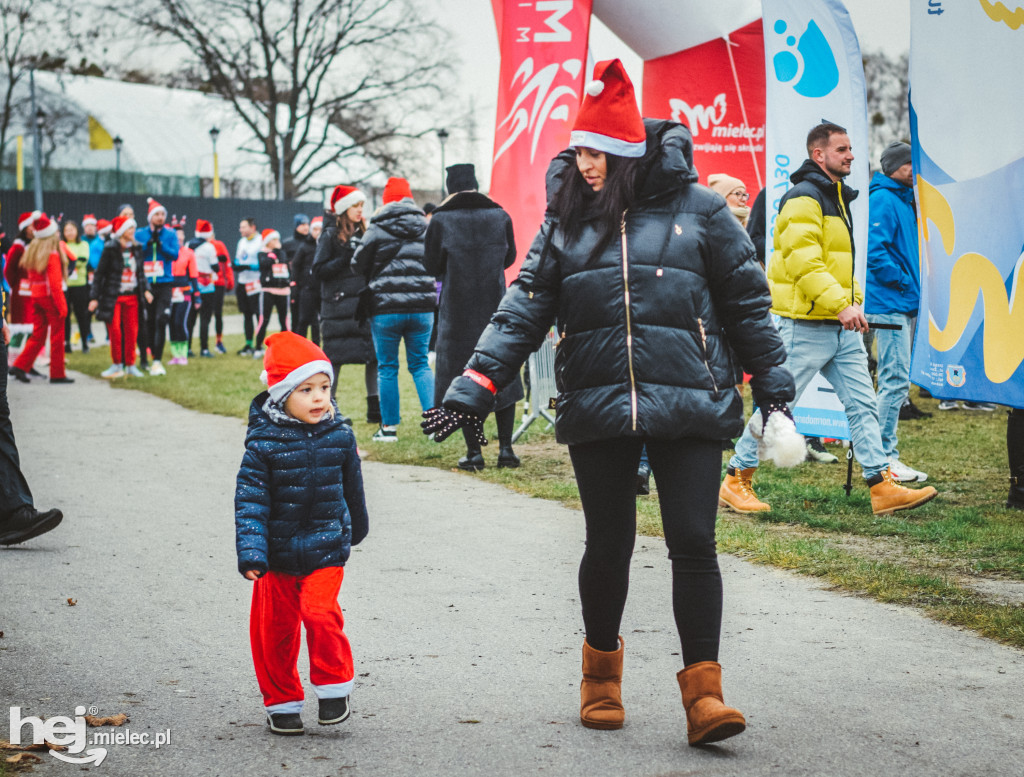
(99, 138)
(998, 12)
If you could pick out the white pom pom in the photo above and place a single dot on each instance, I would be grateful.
(780, 442)
(149, 200)
(264, 379)
(594, 88)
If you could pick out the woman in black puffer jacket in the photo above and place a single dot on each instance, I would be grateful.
(346, 339)
(403, 297)
(659, 303)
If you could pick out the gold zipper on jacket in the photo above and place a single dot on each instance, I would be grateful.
(704, 345)
(629, 320)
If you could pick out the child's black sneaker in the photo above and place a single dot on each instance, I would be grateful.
(285, 723)
(334, 711)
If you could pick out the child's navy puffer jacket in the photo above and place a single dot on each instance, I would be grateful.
(299, 503)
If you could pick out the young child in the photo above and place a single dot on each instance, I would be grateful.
(299, 508)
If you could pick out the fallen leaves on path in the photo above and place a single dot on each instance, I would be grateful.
(113, 720)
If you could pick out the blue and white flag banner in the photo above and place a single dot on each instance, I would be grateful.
(814, 73)
(967, 121)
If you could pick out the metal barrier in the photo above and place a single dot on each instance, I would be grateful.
(541, 365)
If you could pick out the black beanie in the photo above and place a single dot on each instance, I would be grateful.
(462, 178)
(896, 155)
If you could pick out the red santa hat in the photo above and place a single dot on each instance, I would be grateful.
(120, 225)
(396, 189)
(204, 229)
(44, 226)
(25, 219)
(344, 197)
(270, 234)
(88, 219)
(154, 208)
(103, 227)
(608, 119)
(289, 361)
(318, 221)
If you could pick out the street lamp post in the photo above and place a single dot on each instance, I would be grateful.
(214, 132)
(442, 135)
(37, 156)
(117, 161)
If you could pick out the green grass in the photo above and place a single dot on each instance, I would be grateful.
(926, 558)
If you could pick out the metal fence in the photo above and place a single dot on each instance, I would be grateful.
(541, 366)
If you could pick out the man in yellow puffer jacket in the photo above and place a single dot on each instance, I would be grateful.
(814, 291)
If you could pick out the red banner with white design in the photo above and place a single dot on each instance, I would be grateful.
(717, 89)
(543, 67)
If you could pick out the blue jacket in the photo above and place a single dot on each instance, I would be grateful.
(299, 503)
(893, 273)
(164, 249)
(95, 250)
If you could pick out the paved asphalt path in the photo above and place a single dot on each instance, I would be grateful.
(463, 615)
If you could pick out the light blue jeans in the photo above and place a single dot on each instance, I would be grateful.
(389, 330)
(894, 348)
(839, 355)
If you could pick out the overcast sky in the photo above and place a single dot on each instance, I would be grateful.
(880, 24)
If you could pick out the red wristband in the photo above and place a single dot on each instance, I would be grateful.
(482, 380)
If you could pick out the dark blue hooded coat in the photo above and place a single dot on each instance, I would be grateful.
(299, 503)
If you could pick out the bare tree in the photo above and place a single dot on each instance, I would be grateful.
(297, 71)
(888, 85)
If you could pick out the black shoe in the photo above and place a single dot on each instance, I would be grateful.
(62, 380)
(643, 480)
(473, 461)
(191, 354)
(334, 711)
(26, 522)
(19, 375)
(911, 412)
(85, 348)
(507, 458)
(288, 724)
(67, 348)
(246, 351)
(34, 373)
(205, 354)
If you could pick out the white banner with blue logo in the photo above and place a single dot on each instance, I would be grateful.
(967, 120)
(814, 73)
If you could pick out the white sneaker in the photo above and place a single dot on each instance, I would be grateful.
(901, 473)
(258, 353)
(386, 434)
(156, 368)
(949, 404)
(134, 371)
(113, 371)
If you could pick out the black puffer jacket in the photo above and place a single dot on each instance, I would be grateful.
(345, 340)
(469, 245)
(306, 288)
(106, 282)
(653, 331)
(390, 257)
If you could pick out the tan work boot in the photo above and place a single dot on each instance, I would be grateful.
(737, 492)
(601, 688)
(888, 496)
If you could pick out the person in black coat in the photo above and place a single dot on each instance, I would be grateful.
(346, 337)
(659, 302)
(469, 245)
(290, 248)
(306, 292)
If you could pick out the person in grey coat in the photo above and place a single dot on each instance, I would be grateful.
(469, 245)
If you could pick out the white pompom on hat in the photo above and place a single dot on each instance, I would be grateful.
(289, 361)
(609, 119)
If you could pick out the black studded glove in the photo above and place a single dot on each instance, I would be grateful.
(775, 407)
(442, 423)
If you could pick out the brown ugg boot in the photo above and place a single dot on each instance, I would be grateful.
(888, 496)
(707, 718)
(737, 492)
(601, 688)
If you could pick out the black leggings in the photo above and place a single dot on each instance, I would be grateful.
(249, 307)
(688, 473)
(268, 305)
(78, 303)
(506, 420)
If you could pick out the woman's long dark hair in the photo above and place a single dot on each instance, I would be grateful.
(344, 226)
(575, 201)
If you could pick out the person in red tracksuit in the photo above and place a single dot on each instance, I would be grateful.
(19, 302)
(45, 267)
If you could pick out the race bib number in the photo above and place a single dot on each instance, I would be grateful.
(177, 295)
(153, 269)
(279, 270)
(128, 276)
(24, 288)
(253, 287)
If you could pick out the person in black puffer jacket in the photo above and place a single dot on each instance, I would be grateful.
(469, 246)
(402, 299)
(306, 293)
(659, 302)
(347, 339)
